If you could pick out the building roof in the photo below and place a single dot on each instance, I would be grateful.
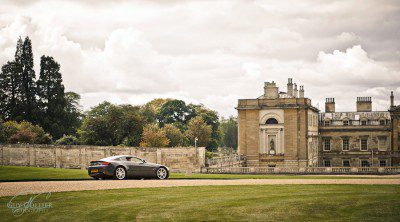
(394, 109)
(281, 95)
(374, 115)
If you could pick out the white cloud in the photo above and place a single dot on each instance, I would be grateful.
(212, 52)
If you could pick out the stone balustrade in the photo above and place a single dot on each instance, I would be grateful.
(301, 170)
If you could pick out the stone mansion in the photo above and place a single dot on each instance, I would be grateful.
(284, 129)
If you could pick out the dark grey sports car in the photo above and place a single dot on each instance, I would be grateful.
(125, 166)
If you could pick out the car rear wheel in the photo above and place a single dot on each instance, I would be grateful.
(120, 173)
(162, 173)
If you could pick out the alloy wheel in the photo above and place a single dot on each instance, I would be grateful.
(120, 173)
(161, 173)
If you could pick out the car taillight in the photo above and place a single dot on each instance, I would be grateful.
(105, 163)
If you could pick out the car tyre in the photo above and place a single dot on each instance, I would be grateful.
(120, 173)
(162, 173)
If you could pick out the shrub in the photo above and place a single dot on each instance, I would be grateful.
(67, 140)
(209, 154)
(24, 132)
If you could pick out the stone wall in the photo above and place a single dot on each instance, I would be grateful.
(177, 159)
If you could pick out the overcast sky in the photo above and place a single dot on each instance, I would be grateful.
(213, 52)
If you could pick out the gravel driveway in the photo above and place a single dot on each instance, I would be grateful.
(14, 188)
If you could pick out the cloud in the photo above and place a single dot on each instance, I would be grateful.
(347, 37)
(212, 52)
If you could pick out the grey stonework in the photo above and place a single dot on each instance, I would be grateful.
(79, 157)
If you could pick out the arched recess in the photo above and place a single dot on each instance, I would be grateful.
(271, 121)
(267, 116)
(271, 132)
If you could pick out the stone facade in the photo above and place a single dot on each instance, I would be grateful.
(355, 138)
(395, 130)
(284, 129)
(79, 157)
(277, 129)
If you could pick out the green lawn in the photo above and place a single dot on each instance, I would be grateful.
(18, 173)
(227, 203)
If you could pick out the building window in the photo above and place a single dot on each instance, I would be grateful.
(363, 122)
(382, 143)
(382, 122)
(364, 163)
(346, 163)
(327, 144)
(345, 145)
(382, 163)
(327, 122)
(327, 163)
(345, 122)
(272, 121)
(364, 144)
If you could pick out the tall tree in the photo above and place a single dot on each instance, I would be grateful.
(211, 118)
(175, 111)
(151, 109)
(153, 136)
(175, 136)
(108, 124)
(51, 99)
(229, 132)
(10, 87)
(18, 52)
(9, 92)
(28, 87)
(73, 111)
(197, 128)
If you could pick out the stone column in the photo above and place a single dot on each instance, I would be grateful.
(277, 142)
(261, 148)
(264, 141)
(58, 157)
(83, 158)
(31, 156)
(158, 156)
(2, 156)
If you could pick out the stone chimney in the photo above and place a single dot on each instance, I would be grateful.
(271, 91)
(296, 92)
(364, 104)
(391, 99)
(330, 105)
(301, 92)
(290, 87)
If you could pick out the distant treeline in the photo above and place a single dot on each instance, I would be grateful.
(40, 111)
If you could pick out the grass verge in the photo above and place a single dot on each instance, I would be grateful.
(20, 173)
(226, 203)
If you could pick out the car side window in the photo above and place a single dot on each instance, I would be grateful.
(133, 159)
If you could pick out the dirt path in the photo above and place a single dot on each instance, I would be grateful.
(14, 188)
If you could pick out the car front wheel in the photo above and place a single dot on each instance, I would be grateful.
(120, 173)
(162, 173)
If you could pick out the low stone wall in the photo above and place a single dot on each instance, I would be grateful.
(177, 159)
